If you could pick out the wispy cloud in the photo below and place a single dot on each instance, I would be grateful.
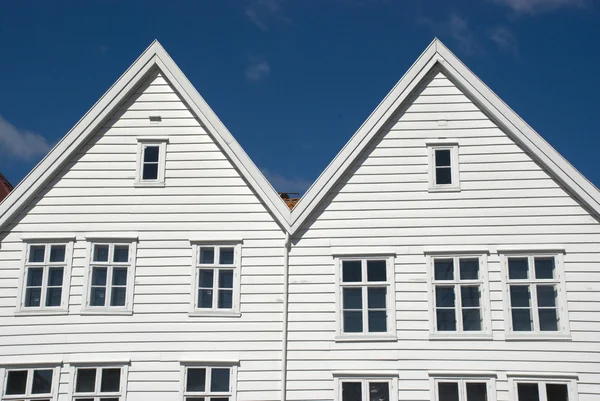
(504, 39)
(286, 184)
(264, 13)
(457, 28)
(537, 6)
(257, 69)
(20, 144)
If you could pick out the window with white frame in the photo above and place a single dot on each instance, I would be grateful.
(366, 296)
(546, 390)
(534, 287)
(458, 287)
(443, 166)
(106, 383)
(151, 161)
(471, 389)
(46, 276)
(110, 276)
(208, 383)
(29, 384)
(366, 389)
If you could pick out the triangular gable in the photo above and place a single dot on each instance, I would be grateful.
(154, 56)
(438, 56)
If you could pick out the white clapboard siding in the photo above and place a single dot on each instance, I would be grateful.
(506, 199)
(204, 196)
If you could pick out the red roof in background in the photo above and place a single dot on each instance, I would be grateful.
(5, 187)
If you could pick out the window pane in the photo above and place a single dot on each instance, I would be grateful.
(111, 380)
(471, 319)
(108, 399)
(548, 320)
(86, 381)
(225, 278)
(53, 296)
(197, 399)
(444, 296)
(469, 296)
(206, 278)
(518, 268)
(150, 171)
(546, 295)
(352, 298)
(34, 276)
(351, 271)
(151, 154)
(99, 276)
(118, 296)
(519, 296)
(15, 382)
(443, 269)
(55, 276)
(205, 298)
(32, 296)
(353, 322)
(207, 255)
(469, 269)
(442, 157)
(42, 382)
(57, 253)
(376, 270)
(557, 392)
(226, 256)
(544, 268)
(100, 253)
(219, 380)
(225, 299)
(98, 295)
(376, 298)
(377, 321)
(196, 379)
(448, 391)
(379, 392)
(36, 253)
(521, 319)
(443, 175)
(446, 320)
(476, 392)
(121, 254)
(119, 276)
(351, 391)
(528, 392)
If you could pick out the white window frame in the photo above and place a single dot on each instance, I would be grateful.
(390, 334)
(571, 383)
(142, 143)
(21, 309)
(233, 370)
(53, 395)
(127, 309)
(564, 331)
(96, 396)
(462, 378)
(365, 378)
(237, 271)
(483, 281)
(454, 166)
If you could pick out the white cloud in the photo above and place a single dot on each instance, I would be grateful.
(504, 39)
(20, 144)
(286, 184)
(536, 6)
(457, 28)
(264, 13)
(257, 70)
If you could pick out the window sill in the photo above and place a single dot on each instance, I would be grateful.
(139, 184)
(460, 336)
(537, 337)
(444, 189)
(366, 338)
(41, 312)
(105, 312)
(215, 314)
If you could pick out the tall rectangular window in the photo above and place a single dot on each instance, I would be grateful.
(106, 383)
(208, 383)
(443, 167)
(29, 384)
(463, 389)
(151, 166)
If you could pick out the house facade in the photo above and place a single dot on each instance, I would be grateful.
(447, 253)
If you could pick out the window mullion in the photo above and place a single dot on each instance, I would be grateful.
(45, 277)
(365, 392)
(462, 390)
(109, 273)
(534, 307)
(215, 285)
(98, 380)
(207, 389)
(365, 311)
(458, 304)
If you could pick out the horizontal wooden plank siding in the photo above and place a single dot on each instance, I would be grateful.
(506, 199)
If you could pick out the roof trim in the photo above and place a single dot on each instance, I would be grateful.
(154, 56)
(437, 54)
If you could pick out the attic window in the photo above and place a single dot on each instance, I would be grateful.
(443, 167)
(151, 161)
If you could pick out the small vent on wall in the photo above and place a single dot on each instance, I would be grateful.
(155, 119)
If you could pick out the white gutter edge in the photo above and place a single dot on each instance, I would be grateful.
(286, 255)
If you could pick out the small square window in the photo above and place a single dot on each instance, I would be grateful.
(443, 167)
(151, 162)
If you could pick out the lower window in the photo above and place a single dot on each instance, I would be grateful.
(542, 391)
(28, 384)
(208, 383)
(365, 390)
(461, 390)
(98, 384)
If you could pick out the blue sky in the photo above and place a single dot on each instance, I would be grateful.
(293, 80)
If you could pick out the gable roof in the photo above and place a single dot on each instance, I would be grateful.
(438, 56)
(154, 56)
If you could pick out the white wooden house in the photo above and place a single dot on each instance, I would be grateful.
(447, 253)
